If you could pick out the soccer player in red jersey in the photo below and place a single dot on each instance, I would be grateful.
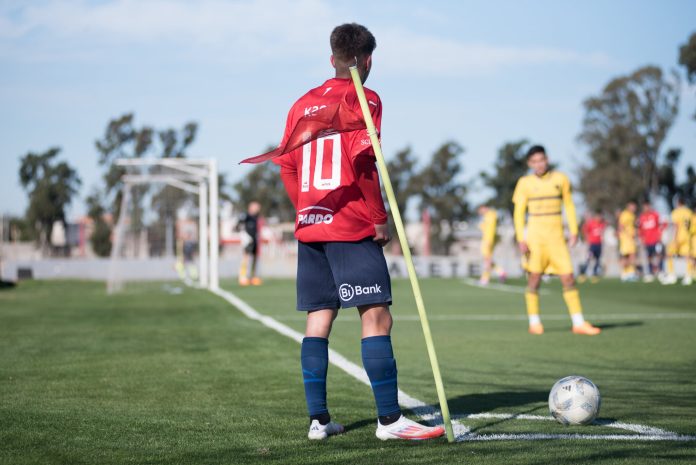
(650, 232)
(593, 232)
(341, 226)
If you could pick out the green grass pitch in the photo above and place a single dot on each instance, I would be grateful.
(152, 376)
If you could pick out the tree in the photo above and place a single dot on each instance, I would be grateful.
(401, 173)
(122, 139)
(670, 188)
(687, 58)
(51, 186)
(510, 165)
(442, 193)
(624, 128)
(101, 234)
(263, 184)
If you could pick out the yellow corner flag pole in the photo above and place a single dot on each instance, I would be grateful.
(406, 250)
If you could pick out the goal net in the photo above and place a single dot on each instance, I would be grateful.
(164, 226)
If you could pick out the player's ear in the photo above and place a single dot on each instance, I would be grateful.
(333, 61)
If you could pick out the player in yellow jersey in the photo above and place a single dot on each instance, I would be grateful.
(488, 225)
(539, 200)
(626, 231)
(680, 244)
(693, 245)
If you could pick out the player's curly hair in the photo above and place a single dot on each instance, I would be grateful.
(351, 40)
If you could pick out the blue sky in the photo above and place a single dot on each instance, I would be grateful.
(477, 72)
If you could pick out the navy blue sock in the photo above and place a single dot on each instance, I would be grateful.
(315, 361)
(379, 363)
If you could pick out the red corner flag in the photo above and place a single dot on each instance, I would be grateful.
(328, 120)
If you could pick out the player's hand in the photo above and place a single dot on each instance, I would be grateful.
(523, 247)
(572, 240)
(382, 236)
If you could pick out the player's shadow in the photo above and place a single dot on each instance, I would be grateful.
(625, 324)
(481, 403)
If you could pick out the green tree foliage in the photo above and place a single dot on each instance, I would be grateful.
(262, 184)
(443, 194)
(123, 139)
(670, 188)
(401, 170)
(624, 128)
(510, 165)
(687, 58)
(51, 186)
(101, 234)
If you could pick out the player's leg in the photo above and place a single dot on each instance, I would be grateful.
(597, 255)
(317, 295)
(487, 257)
(537, 261)
(531, 298)
(560, 260)
(362, 278)
(255, 280)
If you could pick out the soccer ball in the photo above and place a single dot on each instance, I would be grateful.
(574, 400)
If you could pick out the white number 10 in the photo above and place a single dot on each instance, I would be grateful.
(318, 181)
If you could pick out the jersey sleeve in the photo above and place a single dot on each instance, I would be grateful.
(567, 194)
(367, 179)
(519, 198)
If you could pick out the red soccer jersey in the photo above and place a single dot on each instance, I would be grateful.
(331, 198)
(649, 227)
(593, 229)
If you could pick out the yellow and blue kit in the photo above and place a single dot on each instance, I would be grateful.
(539, 202)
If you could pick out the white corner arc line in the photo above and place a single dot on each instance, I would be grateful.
(429, 413)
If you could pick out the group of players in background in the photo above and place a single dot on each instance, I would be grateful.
(646, 230)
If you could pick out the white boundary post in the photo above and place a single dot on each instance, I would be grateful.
(203, 234)
(214, 227)
(204, 173)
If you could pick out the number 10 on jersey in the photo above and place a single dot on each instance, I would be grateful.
(315, 150)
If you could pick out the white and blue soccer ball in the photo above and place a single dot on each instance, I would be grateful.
(574, 400)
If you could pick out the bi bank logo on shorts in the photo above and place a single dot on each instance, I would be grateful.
(346, 292)
(315, 218)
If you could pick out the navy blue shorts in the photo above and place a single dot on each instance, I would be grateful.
(653, 250)
(341, 274)
(596, 250)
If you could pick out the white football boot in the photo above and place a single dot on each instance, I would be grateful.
(319, 431)
(403, 428)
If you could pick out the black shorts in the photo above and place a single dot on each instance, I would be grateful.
(252, 247)
(341, 274)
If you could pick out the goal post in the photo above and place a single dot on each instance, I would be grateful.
(196, 177)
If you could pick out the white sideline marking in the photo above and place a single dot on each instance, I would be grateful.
(501, 287)
(431, 414)
(507, 317)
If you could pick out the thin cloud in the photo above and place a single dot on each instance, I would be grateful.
(258, 31)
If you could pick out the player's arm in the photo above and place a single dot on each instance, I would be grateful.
(519, 198)
(367, 179)
(288, 174)
(570, 211)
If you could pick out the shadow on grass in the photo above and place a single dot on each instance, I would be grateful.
(6, 285)
(480, 403)
(625, 324)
